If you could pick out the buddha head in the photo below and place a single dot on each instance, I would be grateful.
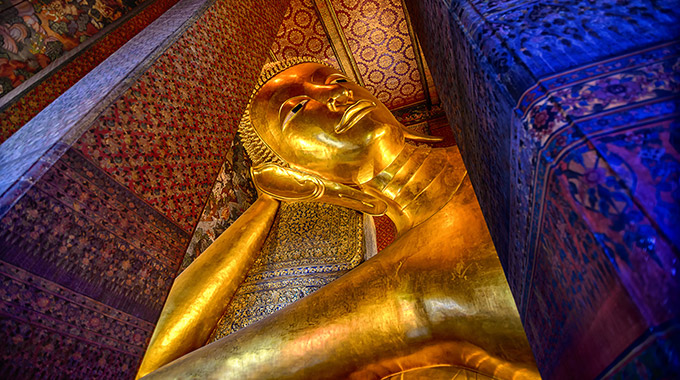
(313, 118)
(308, 119)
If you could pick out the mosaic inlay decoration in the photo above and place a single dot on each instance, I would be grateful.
(302, 34)
(609, 178)
(377, 34)
(385, 231)
(308, 246)
(167, 136)
(566, 115)
(85, 265)
(97, 341)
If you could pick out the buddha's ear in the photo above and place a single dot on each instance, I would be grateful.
(419, 137)
(291, 185)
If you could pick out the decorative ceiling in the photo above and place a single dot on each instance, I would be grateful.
(370, 41)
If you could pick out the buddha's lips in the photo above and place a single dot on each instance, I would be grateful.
(353, 114)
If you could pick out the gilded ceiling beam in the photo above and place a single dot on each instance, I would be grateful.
(336, 37)
(343, 67)
(418, 54)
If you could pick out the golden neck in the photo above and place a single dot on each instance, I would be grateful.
(417, 184)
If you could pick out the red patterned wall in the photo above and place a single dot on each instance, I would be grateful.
(385, 231)
(166, 137)
(89, 251)
(378, 39)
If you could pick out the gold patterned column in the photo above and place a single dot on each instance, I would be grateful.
(308, 246)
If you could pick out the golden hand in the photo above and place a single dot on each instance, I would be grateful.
(292, 185)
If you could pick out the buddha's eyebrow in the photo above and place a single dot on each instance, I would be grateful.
(334, 76)
(322, 74)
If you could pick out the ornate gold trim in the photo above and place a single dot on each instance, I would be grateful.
(417, 53)
(273, 56)
(336, 34)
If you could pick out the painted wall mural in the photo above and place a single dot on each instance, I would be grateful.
(578, 101)
(231, 195)
(15, 114)
(35, 33)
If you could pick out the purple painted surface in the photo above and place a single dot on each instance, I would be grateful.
(85, 266)
(567, 118)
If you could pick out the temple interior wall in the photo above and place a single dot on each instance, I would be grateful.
(566, 117)
(97, 212)
(565, 113)
(49, 46)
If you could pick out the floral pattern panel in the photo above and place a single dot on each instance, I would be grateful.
(302, 34)
(378, 37)
(35, 33)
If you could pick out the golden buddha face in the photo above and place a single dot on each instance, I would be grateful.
(317, 120)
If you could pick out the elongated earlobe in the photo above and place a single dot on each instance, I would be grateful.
(291, 185)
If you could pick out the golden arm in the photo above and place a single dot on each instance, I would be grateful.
(437, 296)
(199, 295)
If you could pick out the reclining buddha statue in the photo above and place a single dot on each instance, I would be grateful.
(435, 298)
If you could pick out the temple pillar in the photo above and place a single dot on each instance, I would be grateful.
(566, 114)
(100, 192)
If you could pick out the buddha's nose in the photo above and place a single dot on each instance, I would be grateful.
(339, 97)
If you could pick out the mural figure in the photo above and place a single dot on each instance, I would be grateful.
(34, 34)
(436, 297)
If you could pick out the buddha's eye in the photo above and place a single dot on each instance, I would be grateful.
(297, 107)
(335, 78)
(293, 111)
